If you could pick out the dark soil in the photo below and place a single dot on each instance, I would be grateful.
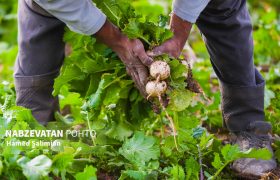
(106, 176)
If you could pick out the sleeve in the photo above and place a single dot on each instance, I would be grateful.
(189, 10)
(81, 16)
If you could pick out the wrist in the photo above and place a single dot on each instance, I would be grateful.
(111, 36)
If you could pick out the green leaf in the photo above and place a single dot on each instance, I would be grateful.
(192, 169)
(72, 99)
(95, 100)
(21, 114)
(89, 173)
(137, 175)
(179, 100)
(230, 152)
(178, 69)
(177, 173)
(277, 154)
(264, 154)
(119, 130)
(134, 29)
(217, 163)
(140, 149)
(36, 168)
(62, 161)
(98, 63)
(268, 96)
(68, 73)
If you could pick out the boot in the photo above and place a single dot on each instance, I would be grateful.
(257, 137)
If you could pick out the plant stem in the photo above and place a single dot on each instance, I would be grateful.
(200, 163)
(171, 121)
(84, 159)
(220, 170)
(89, 127)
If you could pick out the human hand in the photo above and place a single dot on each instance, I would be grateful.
(130, 51)
(174, 46)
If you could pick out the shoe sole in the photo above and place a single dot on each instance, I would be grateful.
(244, 176)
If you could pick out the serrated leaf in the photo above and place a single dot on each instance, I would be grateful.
(69, 73)
(119, 131)
(62, 160)
(179, 100)
(230, 152)
(140, 149)
(177, 173)
(192, 169)
(136, 175)
(72, 99)
(217, 163)
(178, 69)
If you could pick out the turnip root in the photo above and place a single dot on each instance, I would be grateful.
(155, 88)
(161, 69)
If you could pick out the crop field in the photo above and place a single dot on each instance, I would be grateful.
(106, 130)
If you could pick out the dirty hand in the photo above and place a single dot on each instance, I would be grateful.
(130, 51)
(174, 46)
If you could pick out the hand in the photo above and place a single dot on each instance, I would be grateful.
(174, 46)
(130, 51)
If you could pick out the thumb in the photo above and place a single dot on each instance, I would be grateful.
(144, 58)
(157, 51)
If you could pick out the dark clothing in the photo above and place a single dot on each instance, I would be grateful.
(227, 31)
(41, 46)
(40, 56)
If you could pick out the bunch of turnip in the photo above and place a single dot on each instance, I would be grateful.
(160, 72)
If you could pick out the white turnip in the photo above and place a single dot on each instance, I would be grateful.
(160, 69)
(155, 88)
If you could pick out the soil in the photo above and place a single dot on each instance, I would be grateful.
(192, 84)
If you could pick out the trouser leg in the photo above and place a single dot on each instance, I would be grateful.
(227, 31)
(40, 56)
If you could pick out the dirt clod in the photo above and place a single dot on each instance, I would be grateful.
(192, 84)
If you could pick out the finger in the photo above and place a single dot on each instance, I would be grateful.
(140, 53)
(143, 75)
(134, 76)
(144, 58)
(138, 84)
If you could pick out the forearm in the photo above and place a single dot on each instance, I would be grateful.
(80, 16)
(181, 29)
(111, 35)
